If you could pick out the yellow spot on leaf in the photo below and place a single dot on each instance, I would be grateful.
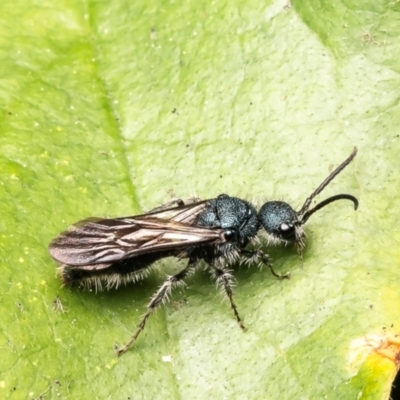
(111, 364)
(384, 346)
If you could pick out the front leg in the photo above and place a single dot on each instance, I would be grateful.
(259, 255)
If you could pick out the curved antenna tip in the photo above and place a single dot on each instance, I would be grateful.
(327, 201)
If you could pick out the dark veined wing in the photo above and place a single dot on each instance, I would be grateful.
(102, 241)
(186, 213)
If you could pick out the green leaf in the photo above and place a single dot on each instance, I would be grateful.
(112, 108)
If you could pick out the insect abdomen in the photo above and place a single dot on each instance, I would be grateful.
(108, 276)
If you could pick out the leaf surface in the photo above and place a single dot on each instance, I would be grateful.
(113, 108)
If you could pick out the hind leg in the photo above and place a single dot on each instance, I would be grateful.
(160, 297)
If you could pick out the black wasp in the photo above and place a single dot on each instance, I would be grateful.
(109, 252)
(283, 224)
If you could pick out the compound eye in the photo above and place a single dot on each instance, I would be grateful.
(287, 230)
(285, 227)
(230, 235)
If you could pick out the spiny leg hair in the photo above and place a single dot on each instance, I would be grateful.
(160, 297)
(226, 281)
(260, 255)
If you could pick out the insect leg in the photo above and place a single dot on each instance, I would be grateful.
(161, 296)
(226, 281)
(260, 255)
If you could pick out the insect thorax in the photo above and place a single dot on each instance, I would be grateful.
(237, 217)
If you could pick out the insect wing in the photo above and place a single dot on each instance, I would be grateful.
(186, 213)
(102, 241)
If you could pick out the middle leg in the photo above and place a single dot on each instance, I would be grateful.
(226, 281)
